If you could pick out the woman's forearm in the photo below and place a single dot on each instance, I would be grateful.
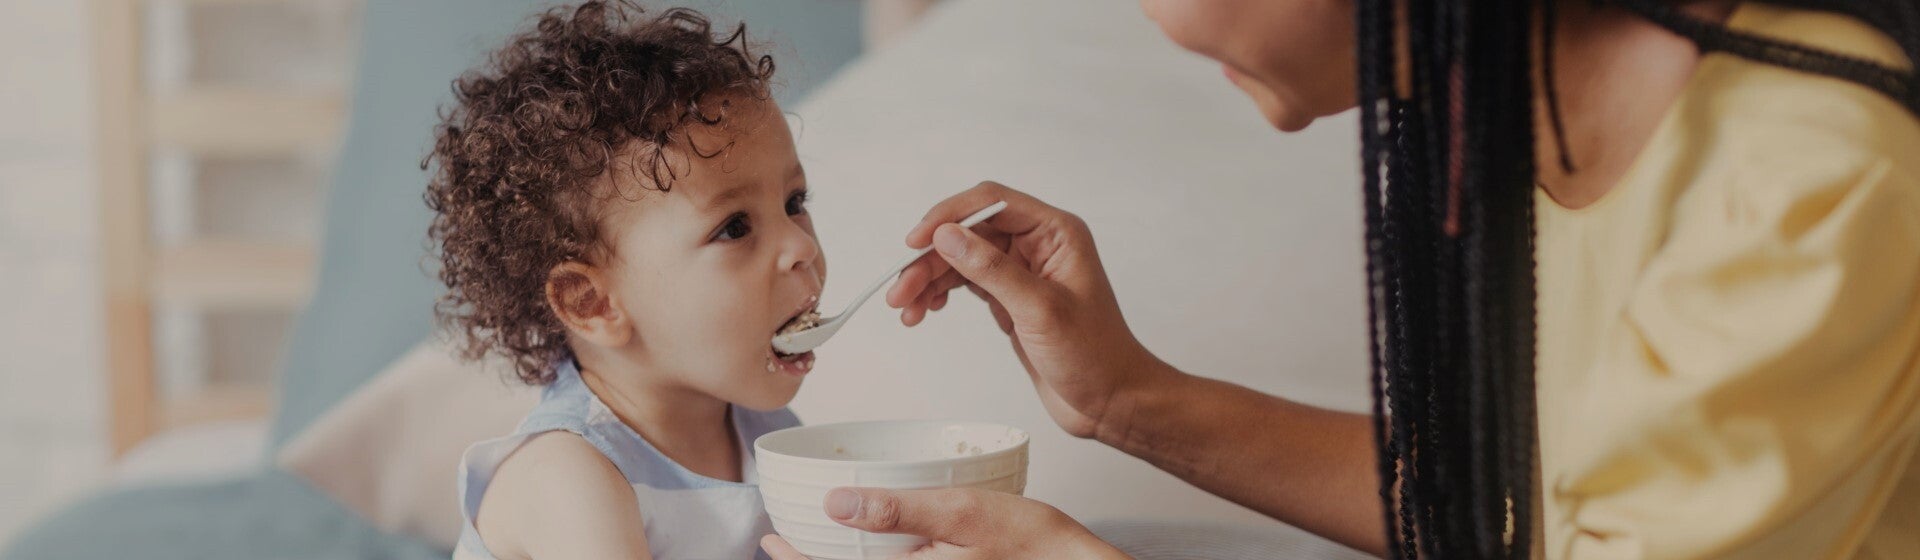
(1309, 467)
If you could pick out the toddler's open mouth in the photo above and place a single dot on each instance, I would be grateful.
(808, 317)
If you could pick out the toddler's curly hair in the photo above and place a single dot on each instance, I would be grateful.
(518, 159)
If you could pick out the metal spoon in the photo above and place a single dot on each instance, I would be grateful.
(806, 340)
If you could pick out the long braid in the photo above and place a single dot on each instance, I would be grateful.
(1406, 335)
(1394, 263)
(1452, 490)
(1441, 217)
(1374, 42)
(1415, 401)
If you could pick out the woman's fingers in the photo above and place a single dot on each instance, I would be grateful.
(1023, 213)
(1000, 316)
(937, 271)
(1048, 291)
(916, 293)
(929, 302)
(778, 549)
(914, 280)
(960, 516)
(964, 523)
(935, 296)
(945, 283)
(932, 273)
(999, 272)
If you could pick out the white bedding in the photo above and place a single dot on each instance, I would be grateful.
(196, 452)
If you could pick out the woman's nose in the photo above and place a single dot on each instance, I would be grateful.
(1152, 9)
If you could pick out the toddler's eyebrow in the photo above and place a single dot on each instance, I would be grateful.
(713, 203)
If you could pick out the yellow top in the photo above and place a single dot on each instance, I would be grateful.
(1729, 355)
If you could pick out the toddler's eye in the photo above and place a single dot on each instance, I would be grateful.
(736, 227)
(797, 204)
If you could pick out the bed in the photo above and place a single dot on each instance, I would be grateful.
(1079, 101)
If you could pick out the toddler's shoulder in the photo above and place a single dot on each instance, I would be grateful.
(554, 484)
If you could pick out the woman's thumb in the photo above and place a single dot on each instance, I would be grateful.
(988, 267)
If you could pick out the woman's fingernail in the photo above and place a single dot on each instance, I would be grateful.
(950, 241)
(843, 504)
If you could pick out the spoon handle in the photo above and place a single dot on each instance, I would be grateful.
(970, 221)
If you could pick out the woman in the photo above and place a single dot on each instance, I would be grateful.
(1720, 356)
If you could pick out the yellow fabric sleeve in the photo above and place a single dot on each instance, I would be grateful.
(1760, 388)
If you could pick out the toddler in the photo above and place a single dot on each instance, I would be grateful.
(621, 214)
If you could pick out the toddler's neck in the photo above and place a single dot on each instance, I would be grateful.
(690, 427)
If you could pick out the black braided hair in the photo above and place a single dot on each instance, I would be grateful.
(1448, 172)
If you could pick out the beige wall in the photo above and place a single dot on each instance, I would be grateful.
(51, 412)
(53, 415)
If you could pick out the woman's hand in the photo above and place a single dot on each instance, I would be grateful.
(1036, 267)
(964, 523)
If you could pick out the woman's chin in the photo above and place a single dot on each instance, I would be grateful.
(1288, 121)
(1281, 115)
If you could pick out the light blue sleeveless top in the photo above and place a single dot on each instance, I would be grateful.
(687, 516)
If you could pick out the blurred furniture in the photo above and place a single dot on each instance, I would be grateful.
(161, 119)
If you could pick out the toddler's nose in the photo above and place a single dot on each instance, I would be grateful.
(799, 251)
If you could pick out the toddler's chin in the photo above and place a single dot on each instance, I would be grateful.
(770, 399)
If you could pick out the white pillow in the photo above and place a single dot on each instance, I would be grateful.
(1235, 249)
(390, 451)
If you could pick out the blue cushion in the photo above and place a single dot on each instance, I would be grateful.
(268, 515)
(375, 296)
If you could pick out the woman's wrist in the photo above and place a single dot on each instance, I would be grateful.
(1156, 387)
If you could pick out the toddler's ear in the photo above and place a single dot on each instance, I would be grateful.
(579, 295)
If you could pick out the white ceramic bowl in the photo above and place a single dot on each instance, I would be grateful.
(797, 466)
